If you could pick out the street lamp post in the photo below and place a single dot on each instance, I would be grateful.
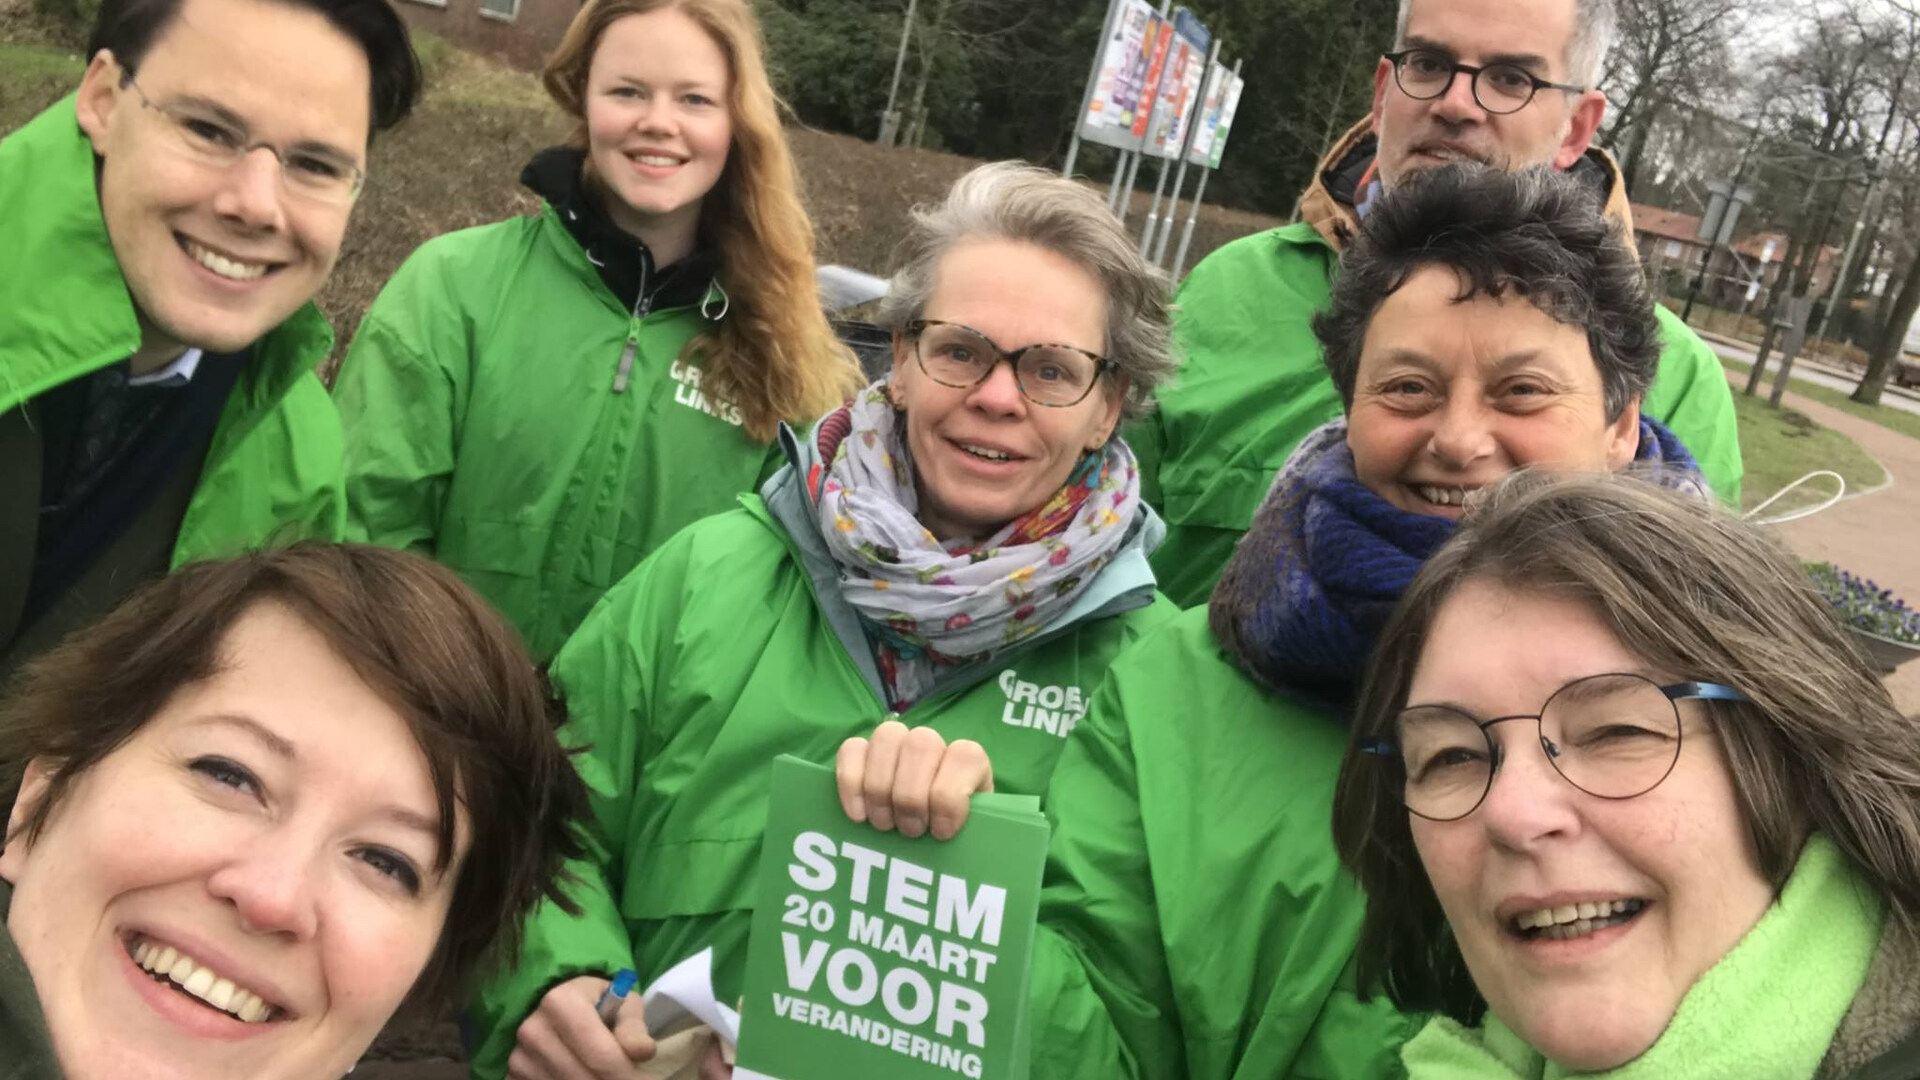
(890, 120)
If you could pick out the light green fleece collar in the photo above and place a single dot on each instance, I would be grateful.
(1769, 1008)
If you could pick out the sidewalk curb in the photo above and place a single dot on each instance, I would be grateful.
(1821, 366)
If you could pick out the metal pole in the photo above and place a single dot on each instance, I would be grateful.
(1846, 264)
(1173, 214)
(1113, 189)
(1199, 194)
(1186, 234)
(1153, 208)
(1126, 186)
(1093, 78)
(890, 120)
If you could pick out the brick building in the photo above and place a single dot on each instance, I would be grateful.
(520, 32)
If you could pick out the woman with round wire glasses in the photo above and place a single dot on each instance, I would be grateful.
(1625, 803)
(961, 549)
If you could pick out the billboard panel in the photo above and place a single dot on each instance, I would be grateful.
(1201, 153)
(1126, 55)
(1179, 98)
(1227, 109)
(1156, 83)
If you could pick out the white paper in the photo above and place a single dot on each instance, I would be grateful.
(687, 990)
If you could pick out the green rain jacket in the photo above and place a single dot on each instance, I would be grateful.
(1196, 923)
(1252, 384)
(729, 646)
(273, 471)
(510, 418)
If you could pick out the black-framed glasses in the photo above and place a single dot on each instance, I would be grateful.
(959, 356)
(1425, 74)
(215, 138)
(1613, 736)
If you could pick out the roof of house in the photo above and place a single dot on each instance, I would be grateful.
(1668, 224)
(1752, 246)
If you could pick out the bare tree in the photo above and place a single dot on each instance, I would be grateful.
(1669, 51)
(1901, 60)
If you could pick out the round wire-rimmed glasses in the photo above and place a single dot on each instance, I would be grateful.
(956, 355)
(1499, 88)
(1614, 736)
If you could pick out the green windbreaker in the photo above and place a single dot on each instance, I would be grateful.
(1196, 923)
(729, 646)
(1252, 384)
(273, 470)
(510, 418)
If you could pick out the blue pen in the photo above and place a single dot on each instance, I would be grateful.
(608, 1006)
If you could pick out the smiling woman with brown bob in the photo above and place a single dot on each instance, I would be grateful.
(261, 807)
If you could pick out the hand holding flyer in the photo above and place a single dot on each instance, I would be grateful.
(874, 955)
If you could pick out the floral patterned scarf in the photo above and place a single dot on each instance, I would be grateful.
(929, 604)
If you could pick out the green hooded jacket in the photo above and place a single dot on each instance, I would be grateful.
(1252, 384)
(731, 645)
(273, 470)
(510, 418)
(1196, 923)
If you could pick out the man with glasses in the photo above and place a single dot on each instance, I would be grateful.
(169, 225)
(1505, 84)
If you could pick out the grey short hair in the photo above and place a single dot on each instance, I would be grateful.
(1011, 200)
(1538, 233)
(1596, 23)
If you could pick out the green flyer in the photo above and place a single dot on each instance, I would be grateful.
(876, 957)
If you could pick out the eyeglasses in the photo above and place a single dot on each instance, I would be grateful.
(1425, 74)
(1613, 736)
(206, 133)
(1056, 376)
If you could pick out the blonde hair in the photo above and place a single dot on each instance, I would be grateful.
(773, 356)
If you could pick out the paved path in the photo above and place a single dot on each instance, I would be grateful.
(1820, 373)
(1874, 535)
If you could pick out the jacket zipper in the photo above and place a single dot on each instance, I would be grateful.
(642, 303)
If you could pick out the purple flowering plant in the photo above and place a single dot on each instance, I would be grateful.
(1864, 605)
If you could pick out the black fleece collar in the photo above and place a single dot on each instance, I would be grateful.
(625, 264)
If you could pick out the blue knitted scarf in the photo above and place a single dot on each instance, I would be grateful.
(1311, 584)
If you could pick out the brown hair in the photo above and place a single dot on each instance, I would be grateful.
(423, 640)
(773, 356)
(1693, 591)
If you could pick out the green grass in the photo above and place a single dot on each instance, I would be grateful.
(1778, 446)
(35, 76)
(1892, 419)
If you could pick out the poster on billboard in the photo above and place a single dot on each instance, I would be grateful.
(1179, 94)
(1156, 84)
(1125, 57)
(1227, 108)
(1201, 152)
